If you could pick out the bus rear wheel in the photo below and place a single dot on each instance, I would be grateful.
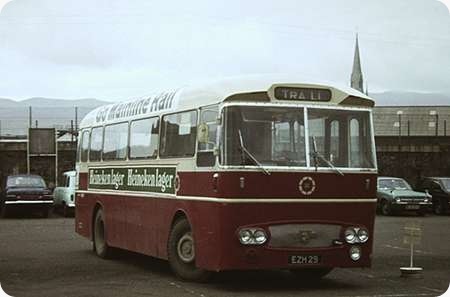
(311, 274)
(181, 253)
(100, 246)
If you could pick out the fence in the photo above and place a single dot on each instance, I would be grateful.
(15, 121)
(388, 121)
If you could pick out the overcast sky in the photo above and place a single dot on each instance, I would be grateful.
(111, 50)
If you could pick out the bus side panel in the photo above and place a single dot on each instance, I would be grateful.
(143, 224)
(83, 209)
(204, 220)
(140, 221)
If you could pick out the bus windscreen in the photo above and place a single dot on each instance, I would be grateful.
(276, 136)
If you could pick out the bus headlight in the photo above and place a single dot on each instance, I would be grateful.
(252, 236)
(350, 235)
(245, 236)
(356, 235)
(355, 253)
(363, 235)
(260, 236)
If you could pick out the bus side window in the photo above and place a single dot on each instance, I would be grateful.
(95, 148)
(115, 145)
(144, 137)
(355, 143)
(178, 134)
(205, 147)
(84, 147)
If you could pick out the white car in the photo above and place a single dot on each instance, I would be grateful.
(64, 196)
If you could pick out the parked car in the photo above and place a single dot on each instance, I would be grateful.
(25, 191)
(395, 194)
(64, 196)
(439, 189)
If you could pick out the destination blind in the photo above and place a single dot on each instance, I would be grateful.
(305, 94)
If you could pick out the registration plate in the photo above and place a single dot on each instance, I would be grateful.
(304, 259)
(412, 206)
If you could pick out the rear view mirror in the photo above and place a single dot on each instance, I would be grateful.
(203, 133)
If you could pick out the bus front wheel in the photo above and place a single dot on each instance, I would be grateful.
(100, 246)
(181, 253)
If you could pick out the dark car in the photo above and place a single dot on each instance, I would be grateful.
(439, 189)
(25, 191)
(395, 194)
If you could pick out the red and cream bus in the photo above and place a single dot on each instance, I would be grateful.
(238, 174)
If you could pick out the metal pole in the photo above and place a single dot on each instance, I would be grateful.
(56, 158)
(411, 257)
(399, 132)
(437, 124)
(30, 117)
(445, 127)
(71, 130)
(76, 118)
(28, 147)
(408, 128)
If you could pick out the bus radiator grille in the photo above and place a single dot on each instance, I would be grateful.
(303, 235)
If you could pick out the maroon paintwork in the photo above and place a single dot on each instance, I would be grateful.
(142, 224)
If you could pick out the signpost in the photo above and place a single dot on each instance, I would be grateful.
(412, 236)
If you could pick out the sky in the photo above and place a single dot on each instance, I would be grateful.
(114, 50)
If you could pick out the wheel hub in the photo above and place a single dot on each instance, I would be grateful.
(185, 248)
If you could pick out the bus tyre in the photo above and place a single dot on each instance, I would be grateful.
(181, 253)
(311, 274)
(100, 246)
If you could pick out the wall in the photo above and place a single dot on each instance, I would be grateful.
(13, 160)
(413, 157)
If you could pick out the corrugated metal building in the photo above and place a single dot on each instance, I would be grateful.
(412, 120)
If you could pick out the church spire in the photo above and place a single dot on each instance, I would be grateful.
(356, 81)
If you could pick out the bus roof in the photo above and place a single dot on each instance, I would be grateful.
(190, 97)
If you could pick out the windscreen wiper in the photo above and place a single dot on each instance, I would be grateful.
(244, 150)
(317, 155)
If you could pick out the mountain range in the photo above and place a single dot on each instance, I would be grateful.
(392, 98)
(51, 102)
(60, 113)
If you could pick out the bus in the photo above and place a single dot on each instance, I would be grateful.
(233, 175)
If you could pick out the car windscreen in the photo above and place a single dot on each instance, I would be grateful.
(25, 182)
(393, 184)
